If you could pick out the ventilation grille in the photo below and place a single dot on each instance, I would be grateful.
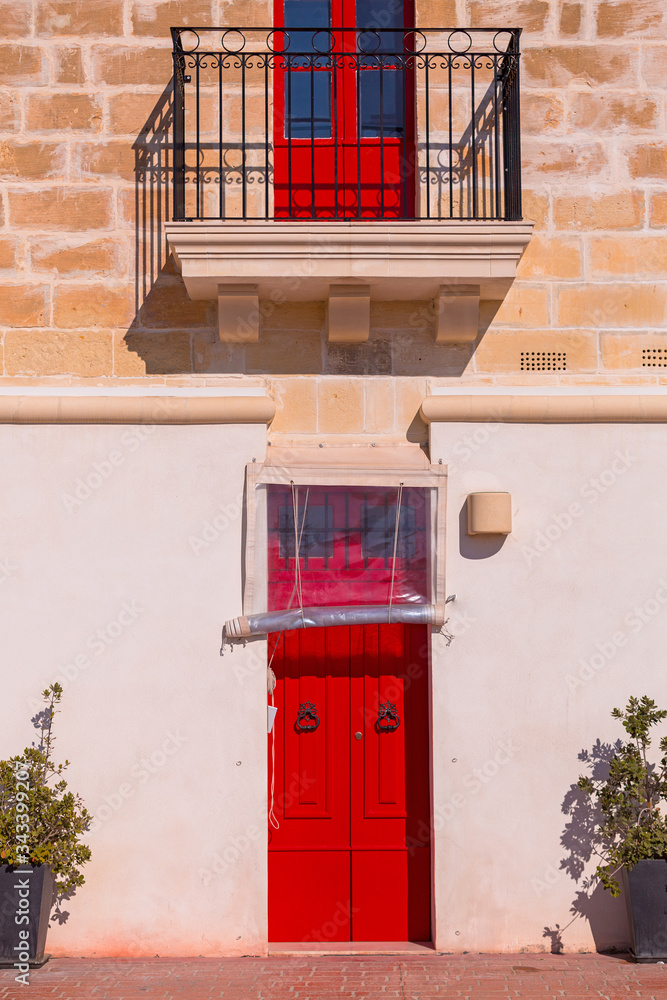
(543, 361)
(654, 357)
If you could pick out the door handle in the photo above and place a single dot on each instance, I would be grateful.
(388, 718)
(307, 719)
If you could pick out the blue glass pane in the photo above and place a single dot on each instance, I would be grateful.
(376, 16)
(384, 117)
(308, 105)
(307, 14)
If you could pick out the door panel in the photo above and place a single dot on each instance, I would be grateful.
(378, 787)
(309, 896)
(314, 671)
(380, 880)
(391, 899)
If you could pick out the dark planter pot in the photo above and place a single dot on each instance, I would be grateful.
(25, 892)
(645, 890)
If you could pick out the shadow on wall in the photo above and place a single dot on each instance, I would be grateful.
(172, 334)
(606, 915)
(477, 546)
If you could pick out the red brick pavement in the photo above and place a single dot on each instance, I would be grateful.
(445, 977)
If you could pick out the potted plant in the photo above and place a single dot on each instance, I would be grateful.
(41, 854)
(632, 835)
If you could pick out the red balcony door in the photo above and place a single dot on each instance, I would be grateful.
(344, 115)
(350, 858)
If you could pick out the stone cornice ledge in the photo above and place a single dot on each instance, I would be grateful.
(574, 409)
(396, 259)
(136, 410)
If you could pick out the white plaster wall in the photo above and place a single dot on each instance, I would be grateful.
(167, 739)
(179, 844)
(516, 696)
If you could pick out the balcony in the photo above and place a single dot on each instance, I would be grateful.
(347, 165)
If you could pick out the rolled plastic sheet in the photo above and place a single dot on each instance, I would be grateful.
(370, 614)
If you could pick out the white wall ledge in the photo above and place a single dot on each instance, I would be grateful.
(61, 409)
(564, 409)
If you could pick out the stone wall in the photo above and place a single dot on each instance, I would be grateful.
(88, 295)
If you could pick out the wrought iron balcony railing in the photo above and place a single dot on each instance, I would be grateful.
(346, 124)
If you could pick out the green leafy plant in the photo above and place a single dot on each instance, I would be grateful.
(41, 822)
(633, 827)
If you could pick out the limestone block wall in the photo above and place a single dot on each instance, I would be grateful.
(88, 294)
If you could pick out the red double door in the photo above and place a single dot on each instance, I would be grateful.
(344, 109)
(350, 859)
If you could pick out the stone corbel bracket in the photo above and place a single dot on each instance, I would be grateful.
(457, 314)
(348, 264)
(349, 314)
(238, 313)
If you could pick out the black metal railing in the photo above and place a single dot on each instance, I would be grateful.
(364, 124)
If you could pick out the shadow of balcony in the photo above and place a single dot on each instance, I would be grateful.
(173, 335)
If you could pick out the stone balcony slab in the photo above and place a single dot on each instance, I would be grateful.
(391, 260)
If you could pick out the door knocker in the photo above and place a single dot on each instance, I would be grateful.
(307, 720)
(388, 719)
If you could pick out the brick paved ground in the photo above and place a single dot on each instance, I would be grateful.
(464, 977)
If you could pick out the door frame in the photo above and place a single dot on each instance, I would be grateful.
(255, 569)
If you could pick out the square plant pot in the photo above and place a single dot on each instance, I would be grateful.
(645, 890)
(26, 897)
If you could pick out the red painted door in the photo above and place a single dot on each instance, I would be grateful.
(344, 115)
(350, 858)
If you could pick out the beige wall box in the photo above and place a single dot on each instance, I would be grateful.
(489, 513)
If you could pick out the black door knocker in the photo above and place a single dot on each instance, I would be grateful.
(388, 719)
(307, 720)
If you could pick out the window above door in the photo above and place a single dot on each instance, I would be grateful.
(349, 550)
